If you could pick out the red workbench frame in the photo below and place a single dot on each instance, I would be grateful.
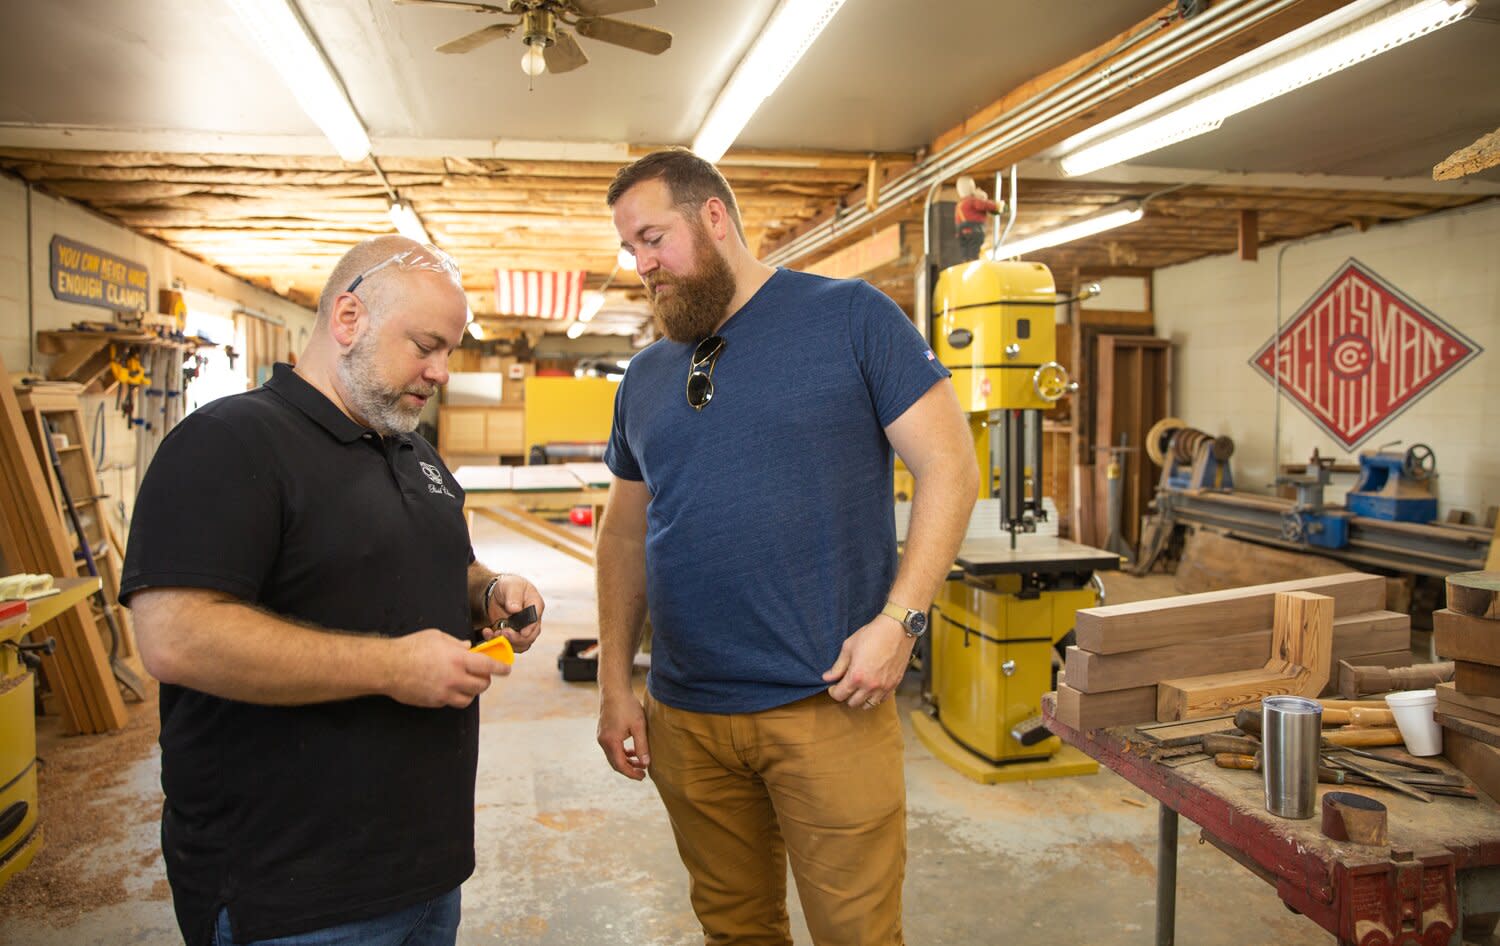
(1443, 861)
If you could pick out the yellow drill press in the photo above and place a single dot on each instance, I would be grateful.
(1013, 592)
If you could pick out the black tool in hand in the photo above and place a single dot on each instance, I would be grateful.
(521, 619)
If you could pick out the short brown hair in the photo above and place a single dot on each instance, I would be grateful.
(690, 180)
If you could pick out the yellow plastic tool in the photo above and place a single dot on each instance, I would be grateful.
(497, 648)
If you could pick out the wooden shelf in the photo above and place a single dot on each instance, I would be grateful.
(45, 609)
(83, 355)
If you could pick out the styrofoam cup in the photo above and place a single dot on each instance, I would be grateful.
(1413, 712)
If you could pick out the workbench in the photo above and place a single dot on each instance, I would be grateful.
(508, 495)
(1443, 861)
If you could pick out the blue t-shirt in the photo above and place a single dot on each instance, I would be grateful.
(770, 533)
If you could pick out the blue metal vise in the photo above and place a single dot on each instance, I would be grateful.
(1394, 486)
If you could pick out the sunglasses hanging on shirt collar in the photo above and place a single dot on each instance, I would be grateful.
(700, 381)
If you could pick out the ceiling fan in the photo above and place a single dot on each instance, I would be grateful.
(549, 47)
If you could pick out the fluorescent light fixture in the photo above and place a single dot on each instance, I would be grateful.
(783, 40)
(576, 329)
(285, 41)
(1393, 25)
(408, 224)
(593, 301)
(625, 260)
(1107, 219)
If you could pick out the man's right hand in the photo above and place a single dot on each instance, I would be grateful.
(433, 669)
(622, 718)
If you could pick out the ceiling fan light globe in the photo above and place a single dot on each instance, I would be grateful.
(533, 63)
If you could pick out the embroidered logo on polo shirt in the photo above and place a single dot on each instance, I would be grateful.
(436, 475)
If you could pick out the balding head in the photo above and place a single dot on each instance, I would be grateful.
(362, 257)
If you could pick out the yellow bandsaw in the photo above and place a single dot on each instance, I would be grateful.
(1012, 595)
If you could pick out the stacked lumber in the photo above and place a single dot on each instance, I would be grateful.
(33, 539)
(1125, 653)
(1468, 708)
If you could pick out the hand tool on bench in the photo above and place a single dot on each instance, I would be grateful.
(1396, 757)
(1378, 778)
(1327, 775)
(1248, 720)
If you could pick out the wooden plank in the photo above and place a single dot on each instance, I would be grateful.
(1181, 734)
(1249, 235)
(1097, 710)
(1448, 693)
(1481, 763)
(1475, 593)
(79, 671)
(1462, 637)
(1353, 636)
(1466, 712)
(1138, 625)
(1482, 154)
(1300, 662)
(1476, 679)
(1482, 732)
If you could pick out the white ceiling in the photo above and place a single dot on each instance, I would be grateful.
(886, 75)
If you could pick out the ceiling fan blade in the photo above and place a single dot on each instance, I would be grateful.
(457, 4)
(610, 7)
(645, 39)
(477, 38)
(565, 55)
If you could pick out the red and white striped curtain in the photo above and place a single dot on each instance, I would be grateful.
(540, 295)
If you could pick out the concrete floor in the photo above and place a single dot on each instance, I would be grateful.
(571, 854)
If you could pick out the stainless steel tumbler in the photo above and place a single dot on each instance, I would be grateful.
(1291, 729)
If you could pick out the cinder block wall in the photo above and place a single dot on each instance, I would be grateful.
(51, 217)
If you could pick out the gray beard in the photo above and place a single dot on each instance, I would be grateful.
(379, 405)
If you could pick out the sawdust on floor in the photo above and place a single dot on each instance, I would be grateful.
(79, 815)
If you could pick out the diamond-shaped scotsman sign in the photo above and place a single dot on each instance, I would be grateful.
(1360, 352)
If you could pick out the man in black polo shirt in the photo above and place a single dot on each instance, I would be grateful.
(304, 588)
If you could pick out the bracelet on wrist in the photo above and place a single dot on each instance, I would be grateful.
(484, 606)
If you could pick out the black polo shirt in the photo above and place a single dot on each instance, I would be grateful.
(303, 817)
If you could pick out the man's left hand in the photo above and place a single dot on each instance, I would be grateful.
(871, 664)
(514, 593)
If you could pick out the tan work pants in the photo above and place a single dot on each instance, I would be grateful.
(814, 780)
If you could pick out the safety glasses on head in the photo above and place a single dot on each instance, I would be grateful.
(426, 257)
(700, 381)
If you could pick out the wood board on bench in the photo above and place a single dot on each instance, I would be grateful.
(1140, 625)
(1354, 636)
(1299, 664)
(1464, 637)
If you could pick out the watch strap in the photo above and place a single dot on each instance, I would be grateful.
(894, 610)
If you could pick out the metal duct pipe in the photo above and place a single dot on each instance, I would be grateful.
(1047, 109)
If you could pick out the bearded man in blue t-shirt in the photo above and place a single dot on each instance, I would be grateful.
(752, 514)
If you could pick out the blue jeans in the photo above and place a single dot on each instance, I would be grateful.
(432, 923)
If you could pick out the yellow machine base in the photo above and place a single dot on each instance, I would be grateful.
(1068, 761)
(19, 858)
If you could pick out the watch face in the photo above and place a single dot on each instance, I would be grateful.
(916, 622)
